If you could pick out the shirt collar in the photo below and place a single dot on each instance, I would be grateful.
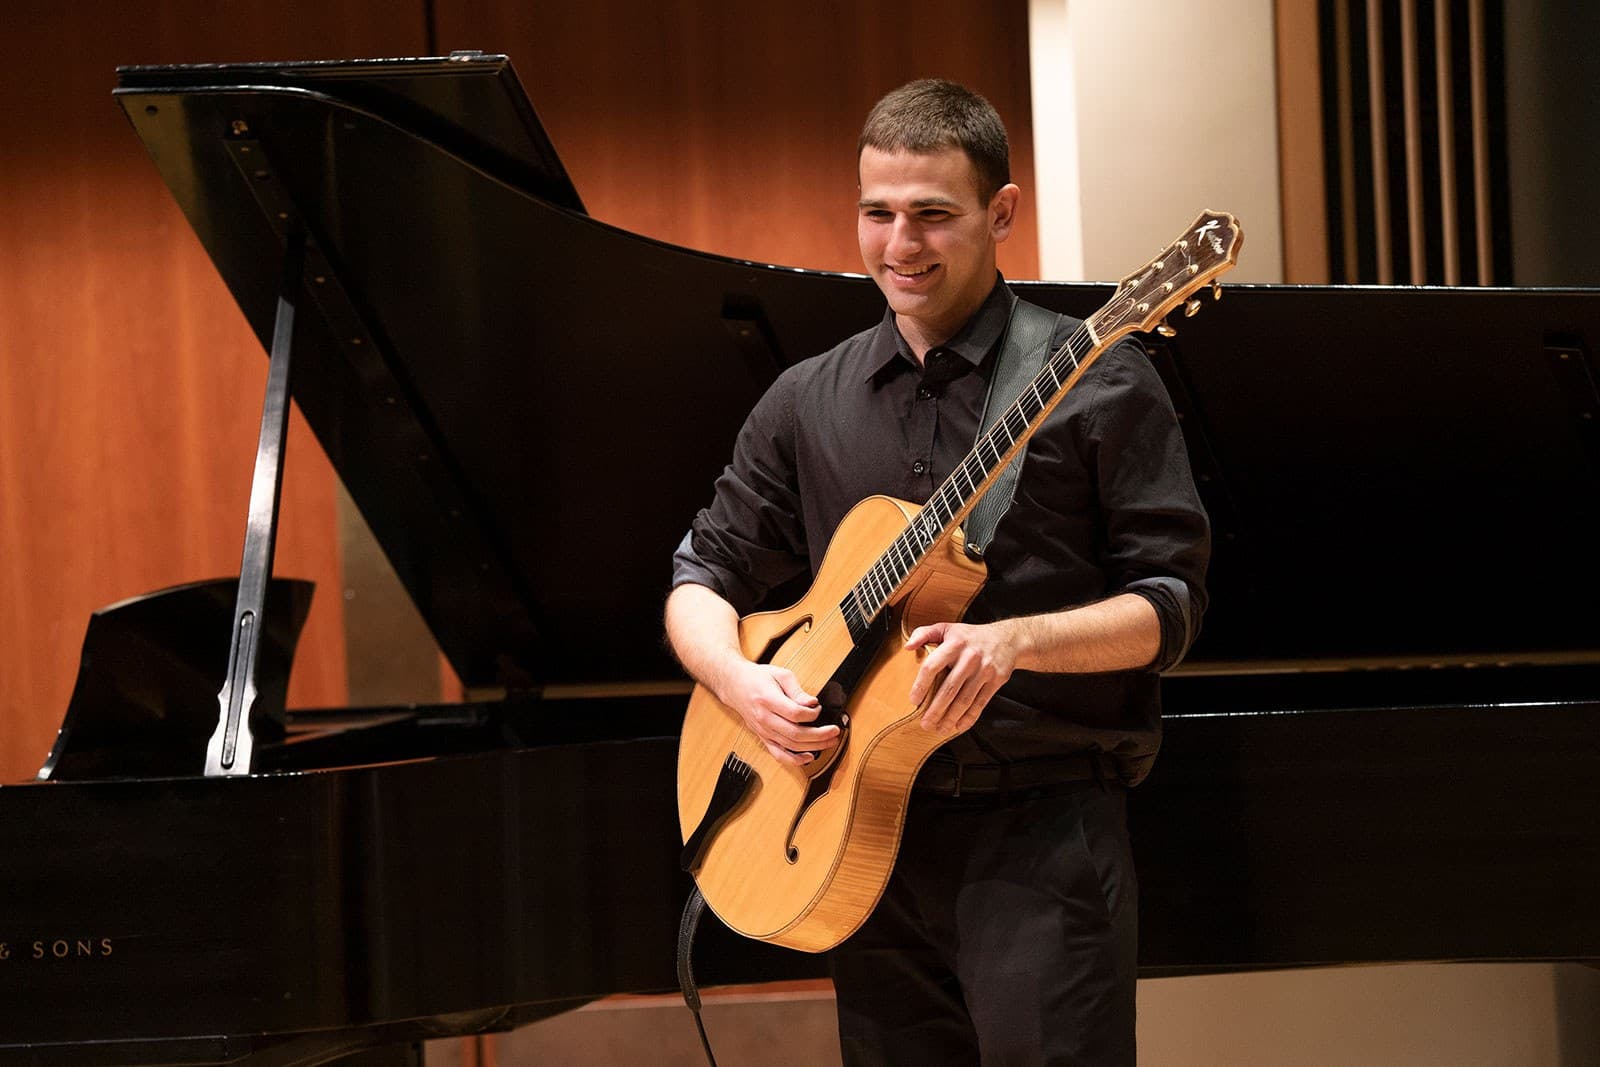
(973, 342)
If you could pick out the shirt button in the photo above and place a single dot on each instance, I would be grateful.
(918, 467)
(924, 394)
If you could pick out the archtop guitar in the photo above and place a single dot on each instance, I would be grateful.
(800, 855)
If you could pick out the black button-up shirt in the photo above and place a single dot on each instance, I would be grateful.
(1105, 504)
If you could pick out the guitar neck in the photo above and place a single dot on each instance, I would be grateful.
(958, 494)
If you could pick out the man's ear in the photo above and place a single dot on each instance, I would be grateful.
(1003, 211)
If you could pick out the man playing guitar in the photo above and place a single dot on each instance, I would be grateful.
(1008, 930)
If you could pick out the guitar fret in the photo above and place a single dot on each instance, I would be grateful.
(1022, 419)
(903, 560)
(994, 451)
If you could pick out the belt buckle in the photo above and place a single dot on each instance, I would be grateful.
(959, 767)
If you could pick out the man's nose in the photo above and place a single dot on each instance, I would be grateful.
(905, 237)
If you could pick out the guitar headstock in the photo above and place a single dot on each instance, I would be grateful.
(1202, 253)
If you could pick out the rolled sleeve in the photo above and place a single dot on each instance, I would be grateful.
(1179, 615)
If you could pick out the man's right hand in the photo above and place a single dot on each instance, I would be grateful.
(704, 631)
(776, 709)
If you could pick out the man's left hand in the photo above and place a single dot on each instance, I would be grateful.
(979, 660)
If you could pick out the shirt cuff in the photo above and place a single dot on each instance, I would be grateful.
(1175, 608)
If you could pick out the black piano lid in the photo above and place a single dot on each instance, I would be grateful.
(1397, 476)
(527, 405)
(468, 102)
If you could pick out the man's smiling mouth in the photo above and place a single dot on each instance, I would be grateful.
(913, 272)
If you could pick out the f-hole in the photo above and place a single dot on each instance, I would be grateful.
(834, 697)
(801, 625)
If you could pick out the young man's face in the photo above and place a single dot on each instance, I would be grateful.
(928, 238)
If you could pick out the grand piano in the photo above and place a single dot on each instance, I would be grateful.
(1384, 747)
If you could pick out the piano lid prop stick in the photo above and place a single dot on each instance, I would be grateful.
(230, 749)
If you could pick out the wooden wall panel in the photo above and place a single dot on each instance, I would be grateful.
(1301, 183)
(731, 127)
(130, 385)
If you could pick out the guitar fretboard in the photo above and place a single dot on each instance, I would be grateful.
(958, 493)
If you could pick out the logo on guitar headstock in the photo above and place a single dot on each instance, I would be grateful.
(1207, 234)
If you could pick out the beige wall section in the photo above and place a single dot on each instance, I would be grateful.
(1443, 1015)
(1175, 111)
(1058, 200)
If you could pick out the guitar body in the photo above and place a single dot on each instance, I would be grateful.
(803, 857)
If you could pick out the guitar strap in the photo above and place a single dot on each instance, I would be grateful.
(1023, 351)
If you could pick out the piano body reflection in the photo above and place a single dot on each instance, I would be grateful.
(1383, 748)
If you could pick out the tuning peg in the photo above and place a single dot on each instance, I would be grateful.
(1190, 308)
(1166, 331)
(1216, 289)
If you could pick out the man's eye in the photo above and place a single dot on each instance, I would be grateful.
(934, 216)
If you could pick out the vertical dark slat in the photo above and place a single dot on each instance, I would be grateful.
(1380, 144)
(1443, 53)
(1347, 141)
(1416, 248)
(1482, 219)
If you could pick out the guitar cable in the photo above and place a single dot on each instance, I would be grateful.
(693, 908)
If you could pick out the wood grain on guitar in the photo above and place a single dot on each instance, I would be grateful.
(800, 855)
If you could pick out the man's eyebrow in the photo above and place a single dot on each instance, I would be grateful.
(928, 201)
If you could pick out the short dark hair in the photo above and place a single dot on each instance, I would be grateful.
(932, 114)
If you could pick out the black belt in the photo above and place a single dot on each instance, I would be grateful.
(947, 777)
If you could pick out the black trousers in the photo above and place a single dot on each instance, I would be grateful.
(1008, 935)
